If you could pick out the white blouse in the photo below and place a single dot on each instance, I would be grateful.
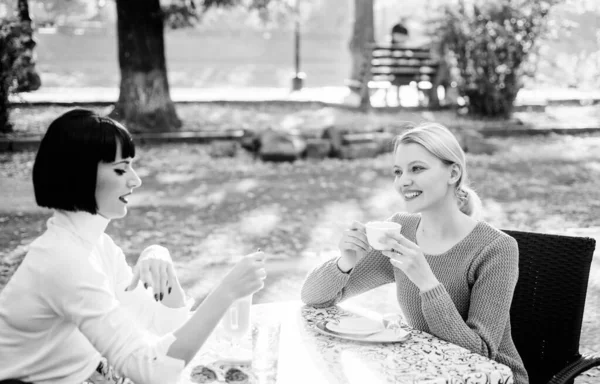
(66, 307)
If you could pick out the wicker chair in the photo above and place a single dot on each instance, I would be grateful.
(547, 309)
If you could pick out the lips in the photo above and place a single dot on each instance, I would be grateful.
(410, 195)
(124, 198)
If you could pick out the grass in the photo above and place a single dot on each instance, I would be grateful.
(209, 211)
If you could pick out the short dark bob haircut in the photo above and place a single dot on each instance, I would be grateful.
(66, 164)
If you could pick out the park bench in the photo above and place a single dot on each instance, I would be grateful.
(396, 65)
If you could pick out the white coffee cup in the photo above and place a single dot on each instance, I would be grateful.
(376, 231)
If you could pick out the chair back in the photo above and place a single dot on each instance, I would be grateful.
(547, 309)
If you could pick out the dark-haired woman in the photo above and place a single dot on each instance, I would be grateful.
(74, 311)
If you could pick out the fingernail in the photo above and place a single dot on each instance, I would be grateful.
(161, 296)
(169, 290)
(146, 285)
(156, 296)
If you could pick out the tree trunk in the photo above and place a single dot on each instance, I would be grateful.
(363, 35)
(442, 76)
(24, 66)
(5, 77)
(23, 6)
(144, 100)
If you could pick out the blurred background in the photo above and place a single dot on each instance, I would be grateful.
(233, 47)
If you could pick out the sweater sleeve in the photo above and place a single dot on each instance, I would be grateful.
(326, 285)
(150, 314)
(79, 290)
(494, 273)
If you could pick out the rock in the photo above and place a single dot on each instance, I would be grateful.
(223, 148)
(474, 142)
(397, 128)
(359, 150)
(335, 136)
(309, 123)
(317, 148)
(250, 140)
(280, 146)
(385, 141)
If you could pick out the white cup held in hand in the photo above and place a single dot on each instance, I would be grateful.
(376, 232)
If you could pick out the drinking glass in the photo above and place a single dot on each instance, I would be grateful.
(265, 352)
(236, 325)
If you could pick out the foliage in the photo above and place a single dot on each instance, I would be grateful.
(569, 54)
(17, 66)
(490, 43)
(6, 63)
(10, 49)
(188, 13)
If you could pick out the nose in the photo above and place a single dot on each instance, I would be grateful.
(404, 180)
(134, 181)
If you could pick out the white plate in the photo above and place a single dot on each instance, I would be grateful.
(355, 326)
(384, 336)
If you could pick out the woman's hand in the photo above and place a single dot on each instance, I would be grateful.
(246, 277)
(353, 245)
(155, 269)
(408, 257)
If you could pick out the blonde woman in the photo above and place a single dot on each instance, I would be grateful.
(455, 275)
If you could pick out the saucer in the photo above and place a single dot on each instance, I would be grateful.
(384, 336)
(355, 326)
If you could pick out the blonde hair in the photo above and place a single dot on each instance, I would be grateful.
(441, 143)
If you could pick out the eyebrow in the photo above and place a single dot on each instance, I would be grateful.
(122, 162)
(411, 163)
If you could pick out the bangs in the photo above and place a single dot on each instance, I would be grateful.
(111, 134)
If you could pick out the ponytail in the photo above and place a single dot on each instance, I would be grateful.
(469, 202)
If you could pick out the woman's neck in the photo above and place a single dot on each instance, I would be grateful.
(446, 221)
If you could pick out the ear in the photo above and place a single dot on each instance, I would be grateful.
(455, 174)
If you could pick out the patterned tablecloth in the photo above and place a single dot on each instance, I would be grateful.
(300, 354)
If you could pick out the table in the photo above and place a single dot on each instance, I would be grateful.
(306, 356)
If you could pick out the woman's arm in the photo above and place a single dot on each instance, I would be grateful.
(495, 272)
(80, 292)
(159, 317)
(328, 284)
(244, 279)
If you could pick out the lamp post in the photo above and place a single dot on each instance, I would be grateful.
(298, 79)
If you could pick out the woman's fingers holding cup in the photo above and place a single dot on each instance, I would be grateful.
(397, 263)
(356, 245)
(357, 226)
(398, 237)
(357, 238)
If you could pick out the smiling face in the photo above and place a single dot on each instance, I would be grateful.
(114, 183)
(423, 180)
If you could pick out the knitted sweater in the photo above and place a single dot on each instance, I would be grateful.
(470, 307)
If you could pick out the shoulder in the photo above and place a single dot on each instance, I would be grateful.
(495, 244)
(111, 254)
(57, 263)
(496, 238)
(108, 245)
(54, 249)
